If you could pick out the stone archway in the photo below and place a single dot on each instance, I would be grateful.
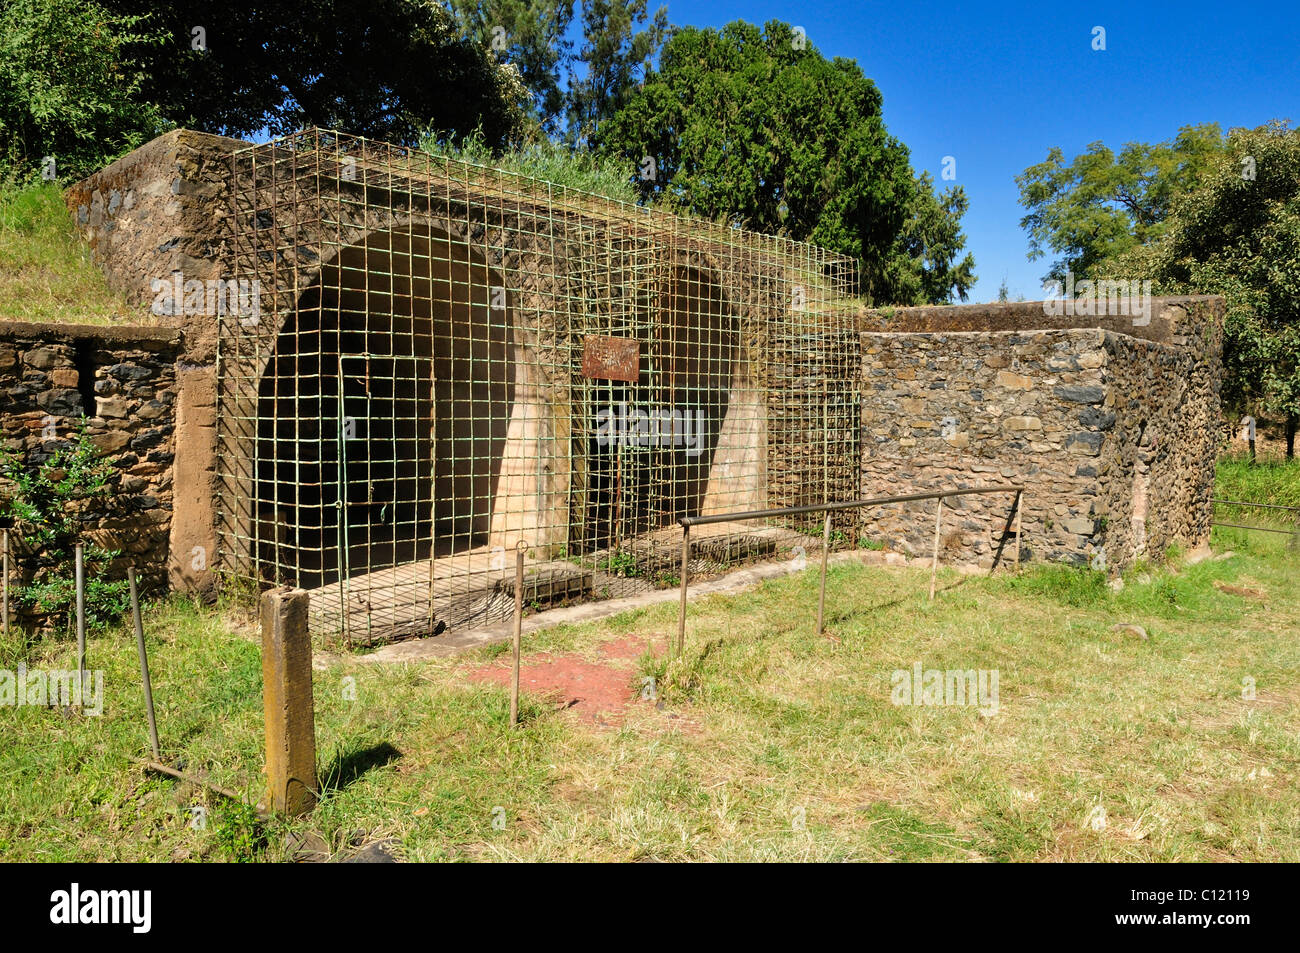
(383, 409)
(648, 445)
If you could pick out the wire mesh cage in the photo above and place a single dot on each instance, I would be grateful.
(436, 361)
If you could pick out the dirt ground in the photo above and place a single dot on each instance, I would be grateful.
(599, 691)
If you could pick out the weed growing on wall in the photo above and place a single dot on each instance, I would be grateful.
(45, 506)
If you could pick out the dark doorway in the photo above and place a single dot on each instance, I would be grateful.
(382, 413)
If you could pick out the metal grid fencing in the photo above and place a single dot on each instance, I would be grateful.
(433, 361)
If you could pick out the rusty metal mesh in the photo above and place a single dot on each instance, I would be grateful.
(442, 360)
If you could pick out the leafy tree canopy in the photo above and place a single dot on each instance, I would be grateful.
(1237, 233)
(389, 69)
(1101, 204)
(617, 51)
(755, 127)
(69, 89)
(530, 36)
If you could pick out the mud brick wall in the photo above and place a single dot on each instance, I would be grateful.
(122, 380)
(1111, 433)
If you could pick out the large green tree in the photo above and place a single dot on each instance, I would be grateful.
(1237, 233)
(1101, 203)
(923, 261)
(530, 35)
(619, 41)
(69, 90)
(388, 69)
(755, 127)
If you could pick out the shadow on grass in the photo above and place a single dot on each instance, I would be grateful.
(834, 615)
(350, 766)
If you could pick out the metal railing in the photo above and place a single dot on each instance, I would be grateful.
(687, 522)
(1293, 533)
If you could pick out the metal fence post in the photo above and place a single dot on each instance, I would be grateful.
(519, 627)
(681, 611)
(1020, 505)
(144, 663)
(80, 573)
(821, 598)
(934, 565)
(6, 582)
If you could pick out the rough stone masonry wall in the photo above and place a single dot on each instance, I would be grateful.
(157, 211)
(123, 379)
(1158, 461)
(160, 210)
(965, 409)
(1113, 435)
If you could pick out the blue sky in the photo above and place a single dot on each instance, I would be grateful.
(996, 85)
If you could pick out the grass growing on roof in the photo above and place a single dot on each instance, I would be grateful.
(46, 274)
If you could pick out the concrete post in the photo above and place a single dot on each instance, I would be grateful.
(288, 702)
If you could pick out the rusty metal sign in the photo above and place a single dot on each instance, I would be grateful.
(615, 359)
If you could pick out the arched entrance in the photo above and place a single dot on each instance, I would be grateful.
(649, 444)
(382, 412)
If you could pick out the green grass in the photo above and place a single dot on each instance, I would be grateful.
(1268, 481)
(550, 163)
(46, 273)
(1275, 482)
(768, 742)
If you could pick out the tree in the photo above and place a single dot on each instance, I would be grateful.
(529, 35)
(923, 265)
(395, 71)
(614, 53)
(1237, 233)
(49, 503)
(1101, 204)
(68, 88)
(756, 128)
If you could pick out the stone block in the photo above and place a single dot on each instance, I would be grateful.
(1017, 424)
(1014, 381)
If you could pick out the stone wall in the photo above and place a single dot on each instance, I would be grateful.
(158, 211)
(1158, 466)
(1112, 435)
(123, 381)
(1108, 419)
(287, 215)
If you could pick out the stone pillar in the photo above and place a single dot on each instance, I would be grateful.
(288, 702)
(193, 531)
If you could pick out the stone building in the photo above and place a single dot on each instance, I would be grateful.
(379, 371)
(1109, 422)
